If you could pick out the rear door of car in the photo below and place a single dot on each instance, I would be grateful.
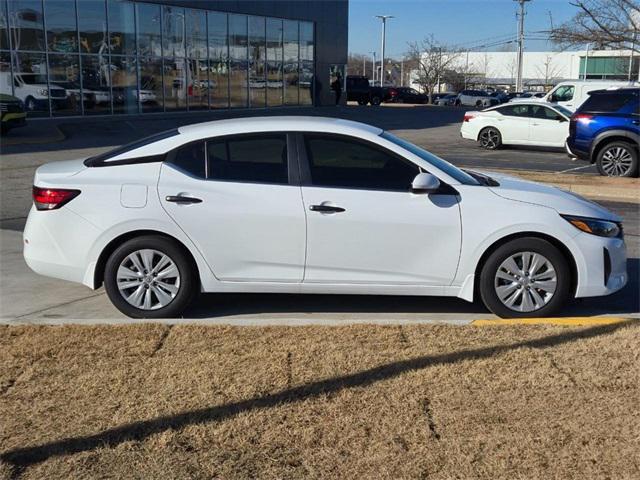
(238, 199)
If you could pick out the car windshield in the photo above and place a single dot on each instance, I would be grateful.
(454, 172)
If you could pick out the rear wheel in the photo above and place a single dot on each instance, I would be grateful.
(150, 277)
(362, 101)
(618, 159)
(375, 100)
(527, 277)
(490, 138)
(479, 104)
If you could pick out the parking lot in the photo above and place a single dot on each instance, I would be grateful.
(435, 128)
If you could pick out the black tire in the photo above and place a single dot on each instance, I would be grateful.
(188, 286)
(490, 138)
(627, 165)
(479, 104)
(362, 101)
(488, 282)
(375, 100)
(458, 103)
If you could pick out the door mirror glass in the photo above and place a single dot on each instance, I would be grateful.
(425, 183)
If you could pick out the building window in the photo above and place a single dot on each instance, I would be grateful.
(274, 62)
(218, 84)
(84, 57)
(60, 18)
(238, 75)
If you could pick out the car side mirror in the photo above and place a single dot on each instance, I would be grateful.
(553, 98)
(425, 183)
(561, 119)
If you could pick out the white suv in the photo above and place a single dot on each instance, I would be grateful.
(476, 98)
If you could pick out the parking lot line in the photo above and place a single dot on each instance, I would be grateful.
(567, 321)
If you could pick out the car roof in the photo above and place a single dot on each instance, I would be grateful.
(525, 102)
(615, 90)
(276, 124)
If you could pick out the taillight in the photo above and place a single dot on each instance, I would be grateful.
(582, 118)
(467, 117)
(393, 93)
(52, 198)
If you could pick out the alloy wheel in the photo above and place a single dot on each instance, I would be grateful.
(148, 279)
(525, 281)
(489, 138)
(617, 161)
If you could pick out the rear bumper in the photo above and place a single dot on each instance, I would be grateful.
(56, 243)
(574, 152)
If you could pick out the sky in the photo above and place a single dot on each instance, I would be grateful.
(464, 23)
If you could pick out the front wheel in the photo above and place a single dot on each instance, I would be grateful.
(490, 138)
(150, 277)
(30, 104)
(526, 277)
(618, 159)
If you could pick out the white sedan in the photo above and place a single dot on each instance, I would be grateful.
(519, 123)
(312, 205)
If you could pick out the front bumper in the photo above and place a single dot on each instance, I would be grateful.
(603, 268)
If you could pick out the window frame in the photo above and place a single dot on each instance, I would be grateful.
(305, 166)
(293, 178)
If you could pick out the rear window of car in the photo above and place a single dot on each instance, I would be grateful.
(608, 102)
(104, 157)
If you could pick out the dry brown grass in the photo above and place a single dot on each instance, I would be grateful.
(319, 402)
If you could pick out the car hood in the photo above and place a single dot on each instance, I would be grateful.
(563, 201)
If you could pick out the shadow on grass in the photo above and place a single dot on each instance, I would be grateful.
(22, 458)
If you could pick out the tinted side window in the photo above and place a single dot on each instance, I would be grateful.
(515, 110)
(254, 158)
(544, 113)
(608, 102)
(342, 162)
(191, 159)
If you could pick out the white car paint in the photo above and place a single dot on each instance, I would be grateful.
(573, 93)
(519, 130)
(251, 237)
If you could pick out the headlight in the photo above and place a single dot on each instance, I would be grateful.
(602, 228)
(44, 92)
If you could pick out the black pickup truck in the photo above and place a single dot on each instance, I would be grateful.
(359, 90)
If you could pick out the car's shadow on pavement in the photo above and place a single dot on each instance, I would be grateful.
(210, 305)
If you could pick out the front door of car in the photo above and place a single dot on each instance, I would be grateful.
(233, 197)
(365, 226)
(548, 127)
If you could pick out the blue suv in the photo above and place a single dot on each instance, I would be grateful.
(605, 130)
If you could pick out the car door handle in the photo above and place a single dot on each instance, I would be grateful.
(326, 209)
(182, 199)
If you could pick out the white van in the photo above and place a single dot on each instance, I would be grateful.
(32, 89)
(571, 94)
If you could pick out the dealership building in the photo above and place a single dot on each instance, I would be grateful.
(107, 57)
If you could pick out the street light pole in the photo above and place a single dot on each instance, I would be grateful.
(373, 67)
(521, 15)
(384, 33)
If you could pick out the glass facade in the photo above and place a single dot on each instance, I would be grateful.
(88, 57)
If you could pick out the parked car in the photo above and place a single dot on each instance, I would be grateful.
(164, 218)
(73, 94)
(501, 96)
(436, 96)
(533, 123)
(33, 90)
(572, 94)
(407, 95)
(12, 113)
(449, 99)
(359, 90)
(476, 98)
(605, 130)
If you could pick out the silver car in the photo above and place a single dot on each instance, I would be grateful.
(476, 98)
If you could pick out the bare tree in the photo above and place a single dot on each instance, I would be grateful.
(358, 64)
(432, 61)
(604, 23)
(548, 70)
